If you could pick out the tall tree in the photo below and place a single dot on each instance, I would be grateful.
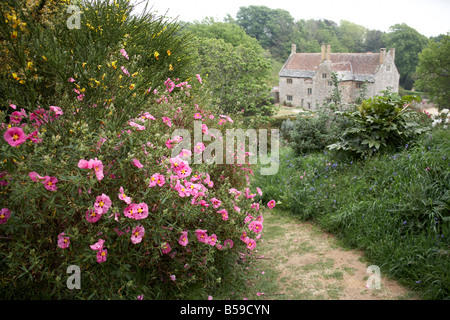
(408, 44)
(353, 35)
(433, 71)
(272, 27)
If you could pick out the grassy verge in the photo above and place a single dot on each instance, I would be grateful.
(395, 207)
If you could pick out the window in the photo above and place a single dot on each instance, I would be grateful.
(324, 75)
(309, 105)
(309, 90)
(289, 81)
(289, 98)
(388, 68)
(358, 85)
(330, 83)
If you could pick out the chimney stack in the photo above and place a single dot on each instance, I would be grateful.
(392, 53)
(294, 49)
(323, 52)
(329, 52)
(382, 55)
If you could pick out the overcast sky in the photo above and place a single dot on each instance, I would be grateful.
(429, 17)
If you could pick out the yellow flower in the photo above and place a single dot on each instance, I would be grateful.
(14, 35)
(114, 64)
(29, 65)
(169, 52)
(135, 74)
(44, 57)
(170, 67)
(156, 55)
(132, 87)
(83, 64)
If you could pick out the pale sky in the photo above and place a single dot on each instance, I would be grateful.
(429, 17)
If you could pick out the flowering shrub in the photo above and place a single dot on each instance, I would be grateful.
(98, 180)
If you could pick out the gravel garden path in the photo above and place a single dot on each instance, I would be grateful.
(309, 264)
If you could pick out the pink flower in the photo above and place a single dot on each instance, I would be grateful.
(260, 218)
(50, 183)
(15, 136)
(255, 206)
(34, 176)
(251, 244)
(172, 277)
(182, 191)
(165, 247)
(204, 129)
(157, 179)
(57, 110)
(202, 236)
(224, 214)
(183, 239)
(142, 211)
(185, 153)
(137, 234)
(16, 117)
(125, 71)
(228, 242)
(5, 214)
(137, 163)
(101, 255)
(92, 216)
(123, 197)
(199, 147)
(258, 190)
(244, 236)
(212, 240)
(71, 80)
(216, 203)
(102, 204)
(98, 245)
(124, 53)
(255, 226)
(63, 242)
(197, 116)
(97, 165)
(167, 121)
(34, 137)
(140, 297)
(271, 204)
(169, 144)
(199, 78)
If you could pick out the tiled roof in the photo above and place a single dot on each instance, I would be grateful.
(351, 66)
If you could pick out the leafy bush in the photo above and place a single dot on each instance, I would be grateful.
(97, 179)
(380, 123)
(312, 133)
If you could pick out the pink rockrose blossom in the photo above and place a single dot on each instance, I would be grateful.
(35, 177)
(173, 277)
(255, 226)
(216, 203)
(255, 205)
(185, 153)
(137, 234)
(16, 117)
(199, 147)
(199, 78)
(197, 116)
(14, 136)
(101, 255)
(251, 244)
(212, 240)
(165, 247)
(124, 53)
(229, 243)
(167, 121)
(92, 216)
(224, 214)
(123, 197)
(271, 204)
(50, 183)
(259, 191)
(102, 204)
(5, 214)
(183, 239)
(33, 136)
(202, 236)
(157, 179)
(57, 110)
(137, 163)
(205, 129)
(63, 242)
(98, 245)
(141, 211)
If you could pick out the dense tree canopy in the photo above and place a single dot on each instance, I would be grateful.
(433, 71)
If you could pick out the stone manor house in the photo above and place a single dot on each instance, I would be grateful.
(305, 79)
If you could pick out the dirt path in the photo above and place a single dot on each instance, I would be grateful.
(309, 264)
